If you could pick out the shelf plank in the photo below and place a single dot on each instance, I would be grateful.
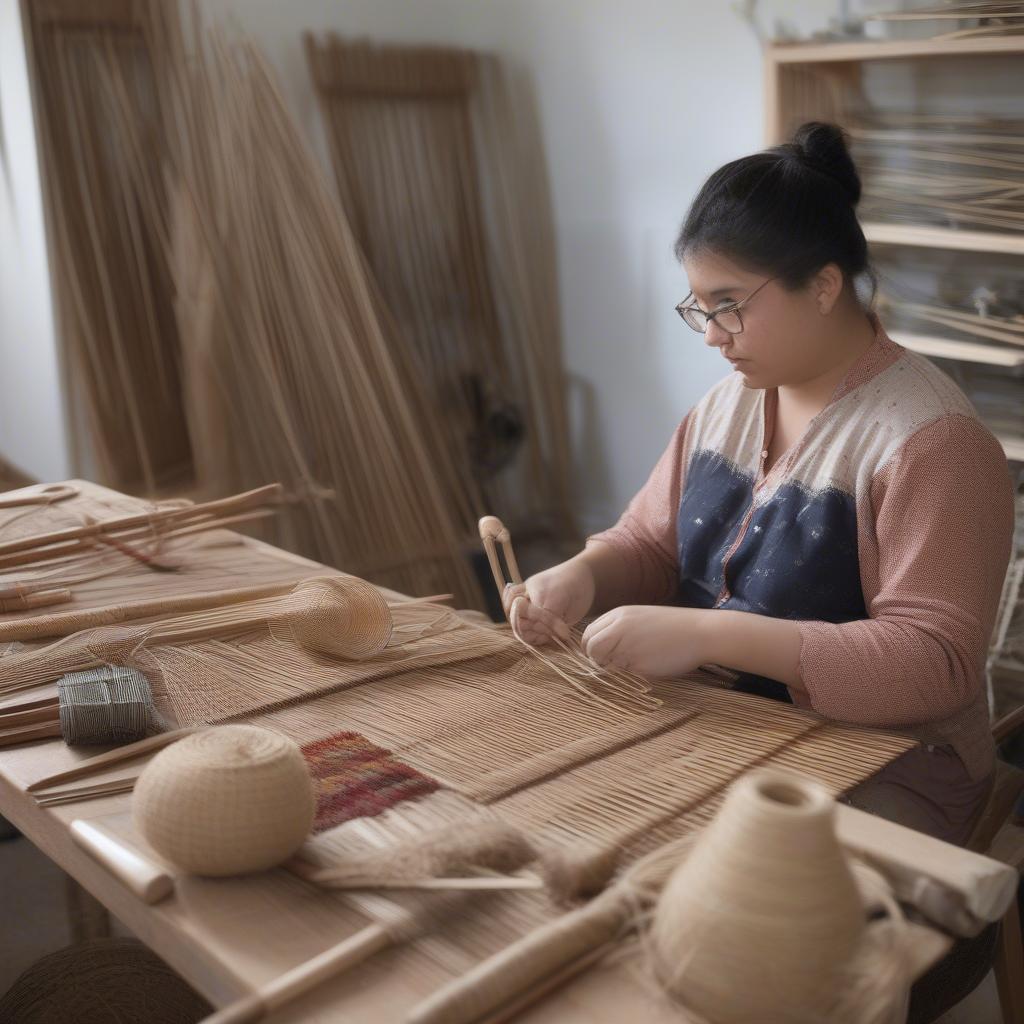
(892, 49)
(966, 351)
(927, 236)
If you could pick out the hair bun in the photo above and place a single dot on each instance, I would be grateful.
(824, 148)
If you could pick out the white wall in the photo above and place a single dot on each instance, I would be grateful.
(638, 102)
(32, 432)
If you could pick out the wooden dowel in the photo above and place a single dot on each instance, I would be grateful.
(40, 599)
(78, 794)
(150, 882)
(29, 734)
(36, 711)
(306, 977)
(101, 761)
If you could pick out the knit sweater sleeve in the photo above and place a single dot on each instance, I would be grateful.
(645, 535)
(934, 552)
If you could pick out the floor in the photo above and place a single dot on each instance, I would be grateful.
(34, 921)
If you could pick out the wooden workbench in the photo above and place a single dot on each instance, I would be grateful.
(227, 937)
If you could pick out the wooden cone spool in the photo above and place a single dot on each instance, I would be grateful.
(764, 916)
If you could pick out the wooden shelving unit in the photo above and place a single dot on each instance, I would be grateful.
(891, 49)
(825, 81)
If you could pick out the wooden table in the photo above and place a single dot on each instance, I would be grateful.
(227, 937)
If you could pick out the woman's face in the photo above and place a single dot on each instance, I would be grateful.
(781, 342)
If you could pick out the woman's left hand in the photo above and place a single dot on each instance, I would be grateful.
(651, 640)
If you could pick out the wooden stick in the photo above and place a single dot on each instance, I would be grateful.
(30, 733)
(259, 496)
(77, 548)
(46, 710)
(573, 938)
(76, 794)
(100, 762)
(40, 599)
(306, 977)
(66, 623)
(147, 880)
(48, 495)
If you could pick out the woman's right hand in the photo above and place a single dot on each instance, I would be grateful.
(548, 603)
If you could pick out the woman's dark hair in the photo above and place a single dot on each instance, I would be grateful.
(788, 211)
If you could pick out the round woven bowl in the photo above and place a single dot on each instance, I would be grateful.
(226, 801)
(340, 617)
(102, 981)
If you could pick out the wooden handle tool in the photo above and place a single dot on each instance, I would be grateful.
(150, 882)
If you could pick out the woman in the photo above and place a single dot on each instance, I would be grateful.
(832, 520)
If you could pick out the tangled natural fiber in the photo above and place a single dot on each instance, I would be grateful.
(764, 920)
(333, 616)
(102, 981)
(226, 801)
(455, 850)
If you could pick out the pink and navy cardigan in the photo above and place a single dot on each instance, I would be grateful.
(884, 532)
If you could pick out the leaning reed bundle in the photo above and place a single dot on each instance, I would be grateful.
(101, 139)
(436, 164)
(285, 337)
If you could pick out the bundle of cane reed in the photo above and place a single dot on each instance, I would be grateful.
(991, 18)
(287, 341)
(436, 162)
(977, 326)
(178, 520)
(336, 616)
(942, 169)
(102, 140)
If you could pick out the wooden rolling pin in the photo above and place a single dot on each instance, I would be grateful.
(150, 882)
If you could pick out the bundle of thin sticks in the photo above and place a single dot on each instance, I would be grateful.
(183, 173)
(436, 162)
(229, 663)
(289, 354)
(102, 137)
(991, 18)
(943, 170)
(125, 533)
(1008, 330)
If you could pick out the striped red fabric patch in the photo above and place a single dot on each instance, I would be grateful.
(354, 778)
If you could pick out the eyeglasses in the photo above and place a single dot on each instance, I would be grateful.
(728, 317)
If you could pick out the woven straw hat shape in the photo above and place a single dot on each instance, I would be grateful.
(226, 801)
(339, 616)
